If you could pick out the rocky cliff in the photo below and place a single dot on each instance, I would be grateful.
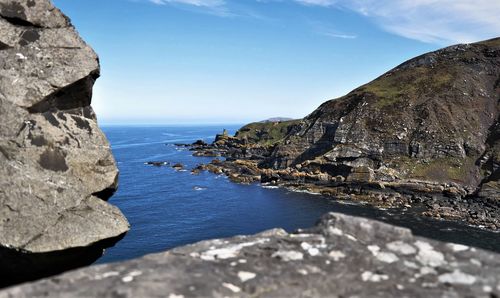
(431, 118)
(342, 256)
(429, 126)
(425, 132)
(56, 166)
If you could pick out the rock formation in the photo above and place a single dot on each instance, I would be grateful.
(56, 165)
(342, 256)
(432, 118)
(425, 132)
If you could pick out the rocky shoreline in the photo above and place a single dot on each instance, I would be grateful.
(241, 165)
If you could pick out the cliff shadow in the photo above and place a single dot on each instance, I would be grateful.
(18, 266)
(324, 144)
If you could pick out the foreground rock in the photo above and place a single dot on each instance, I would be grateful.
(56, 168)
(424, 133)
(342, 256)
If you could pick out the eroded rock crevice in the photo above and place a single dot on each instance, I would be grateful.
(14, 13)
(72, 96)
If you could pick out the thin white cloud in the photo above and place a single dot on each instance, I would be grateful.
(214, 7)
(200, 3)
(432, 21)
(220, 8)
(328, 30)
(343, 36)
(435, 21)
(325, 3)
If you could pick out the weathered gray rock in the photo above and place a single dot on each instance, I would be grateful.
(342, 256)
(56, 166)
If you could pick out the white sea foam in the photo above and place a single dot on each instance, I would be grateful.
(270, 186)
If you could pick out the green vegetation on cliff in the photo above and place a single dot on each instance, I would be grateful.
(266, 133)
(400, 85)
(443, 169)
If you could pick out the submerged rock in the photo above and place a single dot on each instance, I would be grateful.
(200, 143)
(56, 167)
(157, 163)
(342, 256)
(178, 166)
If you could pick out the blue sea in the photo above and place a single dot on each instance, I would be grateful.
(168, 208)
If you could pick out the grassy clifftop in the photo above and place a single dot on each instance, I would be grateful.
(266, 133)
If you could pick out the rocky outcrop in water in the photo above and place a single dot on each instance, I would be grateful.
(425, 133)
(342, 256)
(56, 167)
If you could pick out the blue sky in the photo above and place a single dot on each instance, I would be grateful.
(225, 61)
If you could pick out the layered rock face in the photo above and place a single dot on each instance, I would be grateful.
(342, 256)
(56, 165)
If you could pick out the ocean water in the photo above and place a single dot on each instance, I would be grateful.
(168, 208)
